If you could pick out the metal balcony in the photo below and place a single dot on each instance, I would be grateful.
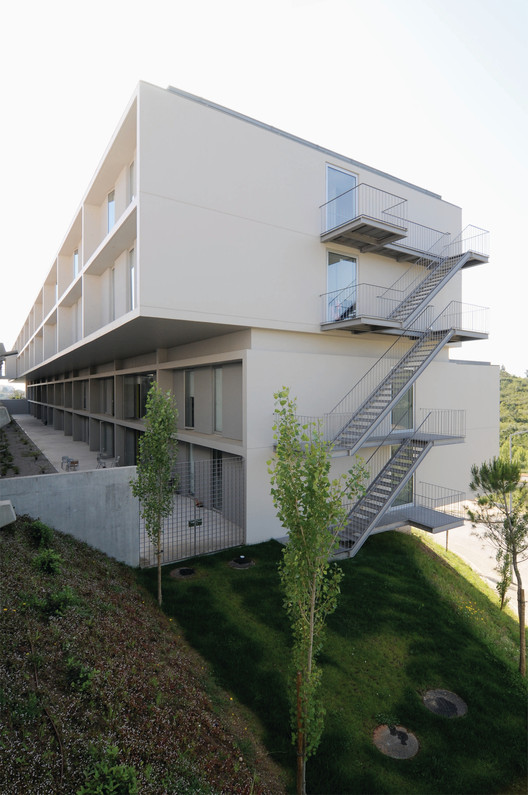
(365, 218)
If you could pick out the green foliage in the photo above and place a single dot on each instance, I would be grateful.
(312, 508)
(48, 561)
(55, 604)
(80, 677)
(154, 484)
(503, 568)
(514, 416)
(41, 535)
(501, 514)
(107, 777)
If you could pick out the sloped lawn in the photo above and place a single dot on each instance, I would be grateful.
(406, 623)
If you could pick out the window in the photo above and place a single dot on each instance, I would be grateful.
(218, 399)
(112, 296)
(110, 206)
(136, 389)
(341, 287)
(131, 182)
(189, 398)
(402, 415)
(75, 263)
(340, 197)
(406, 495)
(131, 290)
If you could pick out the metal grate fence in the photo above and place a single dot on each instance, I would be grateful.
(208, 511)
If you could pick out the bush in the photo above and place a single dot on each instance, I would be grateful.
(41, 535)
(56, 604)
(105, 776)
(48, 561)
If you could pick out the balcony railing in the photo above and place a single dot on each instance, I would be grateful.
(363, 201)
(442, 423)
(439, 498)
(357, 300)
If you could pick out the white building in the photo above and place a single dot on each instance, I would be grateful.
(224, 259)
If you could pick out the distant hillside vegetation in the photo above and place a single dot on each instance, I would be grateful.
(514, 416)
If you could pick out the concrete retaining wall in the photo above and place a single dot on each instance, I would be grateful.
(16, 406)
(96, 506)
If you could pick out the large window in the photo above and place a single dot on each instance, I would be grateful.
(402, 416)
(189, 398)
(131, 288)
(218, 399)
(341, 287)
(341, 204)
(406, 495)
(136, 389)
(110, 209)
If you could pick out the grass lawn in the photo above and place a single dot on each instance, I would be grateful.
(406, 622)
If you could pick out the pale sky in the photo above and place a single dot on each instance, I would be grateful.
(431, 91)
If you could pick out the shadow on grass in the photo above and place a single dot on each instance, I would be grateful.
(392, 637)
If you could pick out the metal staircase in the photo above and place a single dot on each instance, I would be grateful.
(365, 419)
(428, 288)
(380, 495)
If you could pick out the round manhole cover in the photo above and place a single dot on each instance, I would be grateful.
(396, 741)
(445, 703)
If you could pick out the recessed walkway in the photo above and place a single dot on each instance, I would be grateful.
(54, 444)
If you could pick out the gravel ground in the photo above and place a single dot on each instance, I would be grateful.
(26, 458)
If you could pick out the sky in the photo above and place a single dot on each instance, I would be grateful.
(431, 91)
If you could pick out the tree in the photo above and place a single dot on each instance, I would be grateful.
(502, 512)
(312, 508)
(154, 485)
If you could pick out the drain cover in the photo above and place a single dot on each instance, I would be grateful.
(396, 741)
(445, 703)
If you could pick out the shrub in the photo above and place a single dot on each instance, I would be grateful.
(48, 561)
(41, 535)
(80, 676)
(55, 604)
(105, 776)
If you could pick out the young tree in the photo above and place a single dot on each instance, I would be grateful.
(311, 507)
(154, 485)
(502, 513)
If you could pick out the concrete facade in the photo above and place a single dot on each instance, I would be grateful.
(202, 256)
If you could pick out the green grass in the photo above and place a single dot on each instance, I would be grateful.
(406, 622)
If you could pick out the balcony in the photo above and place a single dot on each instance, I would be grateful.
(434, 509)
(365, 218)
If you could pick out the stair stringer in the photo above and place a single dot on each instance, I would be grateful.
(366, 532)
(396, 314)
(355, 446)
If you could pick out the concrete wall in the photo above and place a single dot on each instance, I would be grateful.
(96, 507)
(16, 406)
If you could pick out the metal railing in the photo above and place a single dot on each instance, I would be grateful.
(423, 239)
(430, 331)
(471, 238)
(365, 201)
(443, 422)
(356, 300)
(208, 511)
(429, 495)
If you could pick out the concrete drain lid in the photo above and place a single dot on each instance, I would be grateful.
(445, 703)
(396, 741)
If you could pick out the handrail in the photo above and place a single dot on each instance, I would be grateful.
(434, 497)
(426, 328)
(471, 238)
(363, 200)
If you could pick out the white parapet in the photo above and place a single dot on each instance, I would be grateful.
(7, 513)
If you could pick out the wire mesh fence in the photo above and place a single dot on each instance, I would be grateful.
(208, 511)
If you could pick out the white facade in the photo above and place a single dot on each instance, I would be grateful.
(200, 256)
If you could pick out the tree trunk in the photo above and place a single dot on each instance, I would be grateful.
(522, 617)
(522, 632)
(301, 760)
